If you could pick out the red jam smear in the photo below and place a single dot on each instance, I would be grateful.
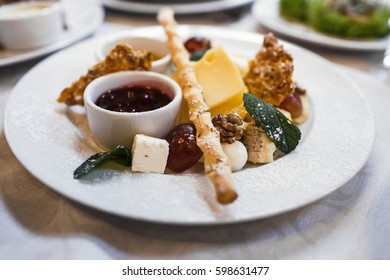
(133, 99)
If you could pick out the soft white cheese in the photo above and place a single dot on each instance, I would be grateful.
(149, 154)
(237, 154)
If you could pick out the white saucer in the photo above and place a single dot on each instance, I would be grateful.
(82, 18)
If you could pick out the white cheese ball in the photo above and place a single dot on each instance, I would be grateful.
(236, 153)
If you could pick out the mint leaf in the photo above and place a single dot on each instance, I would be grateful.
(280, 129)
(120, 155)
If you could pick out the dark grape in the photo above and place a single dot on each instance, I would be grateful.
(183, 150)
(293, 104)
(197, 44)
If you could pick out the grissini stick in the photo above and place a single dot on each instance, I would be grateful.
(216, 164)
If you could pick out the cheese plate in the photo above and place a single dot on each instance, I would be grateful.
(51, 140)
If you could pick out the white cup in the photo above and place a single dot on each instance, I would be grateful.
(30, 24)
(110, 129)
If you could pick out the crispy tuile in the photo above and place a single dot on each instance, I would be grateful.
(270, 73)
(121, 58)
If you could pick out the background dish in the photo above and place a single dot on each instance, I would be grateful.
(266, 12)
(188, 7)
(82, 18)
(51, 141)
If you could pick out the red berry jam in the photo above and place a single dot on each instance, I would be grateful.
(133, 99)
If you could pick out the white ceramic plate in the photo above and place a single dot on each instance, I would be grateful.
(51, 141)
(266, 12)
(82, 18)
(188, 7)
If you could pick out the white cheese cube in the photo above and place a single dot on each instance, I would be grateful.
(149, 154)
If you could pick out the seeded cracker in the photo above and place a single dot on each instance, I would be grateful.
(270, 73)
(217, 166)
(121, 58)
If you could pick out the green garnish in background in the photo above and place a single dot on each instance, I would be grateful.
(280, 129)
(120, 154)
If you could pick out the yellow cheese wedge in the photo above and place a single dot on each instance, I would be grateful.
(221, 82)
(232, 105)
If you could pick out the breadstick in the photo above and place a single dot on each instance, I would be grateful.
(216, 164)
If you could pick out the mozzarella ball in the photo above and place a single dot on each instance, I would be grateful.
(236, 153)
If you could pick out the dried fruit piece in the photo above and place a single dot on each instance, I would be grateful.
(183, 150)
(293, 104)
(197, 43)
(197, 47)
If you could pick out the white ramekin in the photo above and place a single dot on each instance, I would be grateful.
(110, 129)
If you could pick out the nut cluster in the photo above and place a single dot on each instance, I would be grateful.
(229, 127)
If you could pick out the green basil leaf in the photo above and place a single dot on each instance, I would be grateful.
(280, 129)
(197, 55)
(120, 154)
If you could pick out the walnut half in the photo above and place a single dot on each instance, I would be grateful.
(229, 127)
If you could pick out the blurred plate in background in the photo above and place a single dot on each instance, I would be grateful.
(188, 7)
(82, 18)
(266, 12)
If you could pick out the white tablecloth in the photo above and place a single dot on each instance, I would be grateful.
(351, 223)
